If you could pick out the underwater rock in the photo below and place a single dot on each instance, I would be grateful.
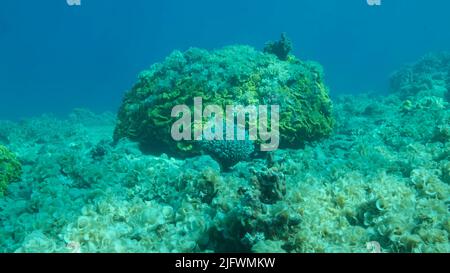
(234, 75)
(10, 169)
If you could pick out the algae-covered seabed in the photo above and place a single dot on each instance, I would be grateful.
(383, 175)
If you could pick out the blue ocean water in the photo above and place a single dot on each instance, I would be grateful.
(55, 57)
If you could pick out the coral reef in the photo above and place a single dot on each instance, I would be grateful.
(234, 75)
(383, 176)
(10, 169)
(430, 75)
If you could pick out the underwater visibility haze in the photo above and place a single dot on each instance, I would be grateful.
(225, 126)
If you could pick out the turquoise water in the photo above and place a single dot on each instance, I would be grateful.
(358, 112)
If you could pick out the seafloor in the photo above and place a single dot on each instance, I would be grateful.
(383, 176)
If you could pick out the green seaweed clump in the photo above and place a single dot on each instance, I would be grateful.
(234, 75)
(10, 169)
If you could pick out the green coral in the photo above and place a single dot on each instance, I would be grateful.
(10, 169)
(234, 75)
